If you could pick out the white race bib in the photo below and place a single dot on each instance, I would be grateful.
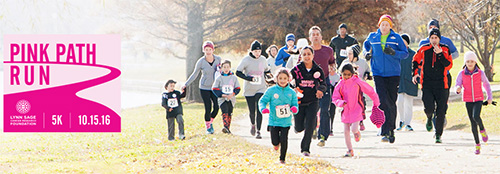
(343, 53)
(172, 102)
(257, 80)
(283, 111)
(227, 89)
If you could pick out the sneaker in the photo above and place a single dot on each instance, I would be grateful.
(357, 136)
(321, 143)
(306, 153)
(408, 128)
(392, 138)
(331, 133)
(385, 139)
(478, 149)
(361, 126)
(210, 131)
(428, 126)
(438, 139)
(349, 153)
(401, 125)
(252, 130)
(282, 161)
(258, 135)
(182, 137)
(226, 130)
(484, 135)
(276, 147)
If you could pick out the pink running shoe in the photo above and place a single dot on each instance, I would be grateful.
(478, 149)
(484, 135)
(357, 136)
(349, 153)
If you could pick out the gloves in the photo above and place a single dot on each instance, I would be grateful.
(389, 50)
(294, 110)
(265, 111)
(494, 103)
(368, 56)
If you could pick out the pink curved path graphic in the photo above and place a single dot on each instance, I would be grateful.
(59, 109)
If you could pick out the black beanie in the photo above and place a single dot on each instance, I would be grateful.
(255, 46)
(355, 50)
(433, 22)
(436, 32)
(406, 37)
(343, 26)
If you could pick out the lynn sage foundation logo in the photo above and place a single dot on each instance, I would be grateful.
(62, 83)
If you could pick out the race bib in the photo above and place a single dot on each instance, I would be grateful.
(172, 102)
(227, 89)
(283, 111)
(343, 53)
(257, 80)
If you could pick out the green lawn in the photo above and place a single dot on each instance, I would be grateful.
(458, 119)
(142, 147)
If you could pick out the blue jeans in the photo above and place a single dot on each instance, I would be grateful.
(324, 115)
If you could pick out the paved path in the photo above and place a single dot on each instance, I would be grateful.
(413, 152)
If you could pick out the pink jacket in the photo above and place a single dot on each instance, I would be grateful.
(471, 85)
(348, 94)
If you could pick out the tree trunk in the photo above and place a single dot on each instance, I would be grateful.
(193, 52)
(487, 66)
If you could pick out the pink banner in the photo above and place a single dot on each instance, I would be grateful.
(62, 83)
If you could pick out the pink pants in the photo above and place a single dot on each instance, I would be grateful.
(354, 127)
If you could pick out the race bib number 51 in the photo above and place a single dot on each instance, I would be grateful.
(283, 111)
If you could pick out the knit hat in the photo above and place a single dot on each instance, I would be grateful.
(208, 44)
(436, 32)
(377, 117)
(290, 37)
(355, 49)
(342, 25)
(255, 45)
(385, 18)
(469, 55)
(406, 37)
(433, 22)
(302, 42)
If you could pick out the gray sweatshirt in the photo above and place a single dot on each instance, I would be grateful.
(254, 67)
(208, 72)
(227, 84)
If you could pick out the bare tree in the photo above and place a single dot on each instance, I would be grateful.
(478, 24)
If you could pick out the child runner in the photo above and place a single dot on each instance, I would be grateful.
(310, 87)
(470, 79)
(407, 90)
(283, 56)
(226, 87)
(171, 101)
(252, 69)
(272, 52)
(348, 94)
(282, 103)
(361, 68)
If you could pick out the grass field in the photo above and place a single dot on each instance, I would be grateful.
(142, 147)
(458, 119)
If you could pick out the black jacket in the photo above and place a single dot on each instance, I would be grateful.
(307, 84)
(338, 43)
(175, 95)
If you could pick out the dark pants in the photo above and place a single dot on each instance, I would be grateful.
(324, 115)
(387, 90)
(227, 113)
(474, 111)
(171, 127)
(435, 101)
(306, 120)
(279, 135)
(209, 99)
(252, 103)
(332, 115)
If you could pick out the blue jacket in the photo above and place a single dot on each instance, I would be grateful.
(276, 96)
(444, 40)
(382, 64)
(282, 55)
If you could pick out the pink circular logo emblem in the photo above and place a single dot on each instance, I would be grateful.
(316, 74)
(23, 106)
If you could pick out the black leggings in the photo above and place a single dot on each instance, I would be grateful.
(474, 111)
(209, 98)
(279, 135)
(305, 121)
(252, 103)
(435, 101)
